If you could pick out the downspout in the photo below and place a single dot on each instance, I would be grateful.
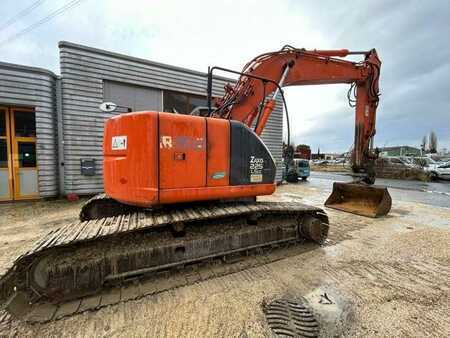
(59, 119)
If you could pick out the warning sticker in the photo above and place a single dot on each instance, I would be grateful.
(255, 178)
(119, 143)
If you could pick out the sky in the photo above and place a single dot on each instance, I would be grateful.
(411, 38)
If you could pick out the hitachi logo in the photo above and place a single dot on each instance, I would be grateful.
(182, 143)
(165, 142)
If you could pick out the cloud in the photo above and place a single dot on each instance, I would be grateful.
(410, 36)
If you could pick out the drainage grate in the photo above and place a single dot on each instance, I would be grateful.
(291, 318)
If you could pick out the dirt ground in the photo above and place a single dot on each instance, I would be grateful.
(386, 277)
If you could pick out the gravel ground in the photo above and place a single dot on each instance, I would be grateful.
(386, 277)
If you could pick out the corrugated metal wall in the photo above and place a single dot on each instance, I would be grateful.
(84, 71)
(35, 87)
(273, 136)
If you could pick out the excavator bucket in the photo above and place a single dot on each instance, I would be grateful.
(359, 199)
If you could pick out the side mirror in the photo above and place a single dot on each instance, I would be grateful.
(108, 107)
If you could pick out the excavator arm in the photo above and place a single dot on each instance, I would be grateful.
(266, 74)
(252, 99)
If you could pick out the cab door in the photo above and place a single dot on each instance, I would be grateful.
(24, 161)
(6, 177)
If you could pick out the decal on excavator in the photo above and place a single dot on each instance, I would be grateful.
(251, 161)
(189, 142)
(182, 143)
(256, 167)
(218, 175)
(166, 142)
(119, 143)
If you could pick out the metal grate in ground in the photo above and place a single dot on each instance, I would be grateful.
(291, 318)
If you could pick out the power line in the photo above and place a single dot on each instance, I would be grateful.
(57, 12)
(21, 14)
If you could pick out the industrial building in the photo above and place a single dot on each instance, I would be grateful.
(51, 127)
(400, 151)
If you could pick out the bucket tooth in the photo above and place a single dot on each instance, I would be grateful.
(360, 199)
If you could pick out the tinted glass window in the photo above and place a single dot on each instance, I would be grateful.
(303, 164)
(2, 123)
(196, 101)
(176, 101)
(3, 154)
(183, 103)
(25, 124)
(27, 154)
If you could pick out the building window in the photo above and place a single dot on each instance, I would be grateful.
(27, 154)
(25, 124)
(3, 154)
(2, 123)
(182, 103)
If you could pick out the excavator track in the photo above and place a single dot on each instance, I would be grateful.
(102, 206)
(89, 264)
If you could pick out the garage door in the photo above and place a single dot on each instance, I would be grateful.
(132, 98)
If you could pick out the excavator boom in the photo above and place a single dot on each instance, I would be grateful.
(252, 99)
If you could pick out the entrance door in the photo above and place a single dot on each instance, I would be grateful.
(18, 164)
(23, 136)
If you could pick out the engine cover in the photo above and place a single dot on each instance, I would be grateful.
(153, 158)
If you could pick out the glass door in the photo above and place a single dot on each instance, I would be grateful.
(6, 176)
(23, 139)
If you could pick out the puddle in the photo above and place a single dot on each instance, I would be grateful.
(333, 311)
(399, 211)
(331, 250)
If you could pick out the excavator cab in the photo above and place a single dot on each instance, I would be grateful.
(360, 199)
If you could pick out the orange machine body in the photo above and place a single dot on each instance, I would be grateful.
(153, 158)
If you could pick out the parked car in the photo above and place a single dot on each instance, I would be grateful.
(442, 171)
(303, 168)
(399, 168)
(321, 162)
(298, 168)
(434, 168)
(427, 163)
(407, 159)
(395, 162)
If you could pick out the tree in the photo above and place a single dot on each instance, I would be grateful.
(433, 142)
(423, 145)
(288, 150)
(299, 147)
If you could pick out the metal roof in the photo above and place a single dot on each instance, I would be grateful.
(136, 59)
(27, 68)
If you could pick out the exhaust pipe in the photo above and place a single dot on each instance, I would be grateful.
(365, 200)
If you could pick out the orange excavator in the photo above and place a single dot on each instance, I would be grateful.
(181, 189)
